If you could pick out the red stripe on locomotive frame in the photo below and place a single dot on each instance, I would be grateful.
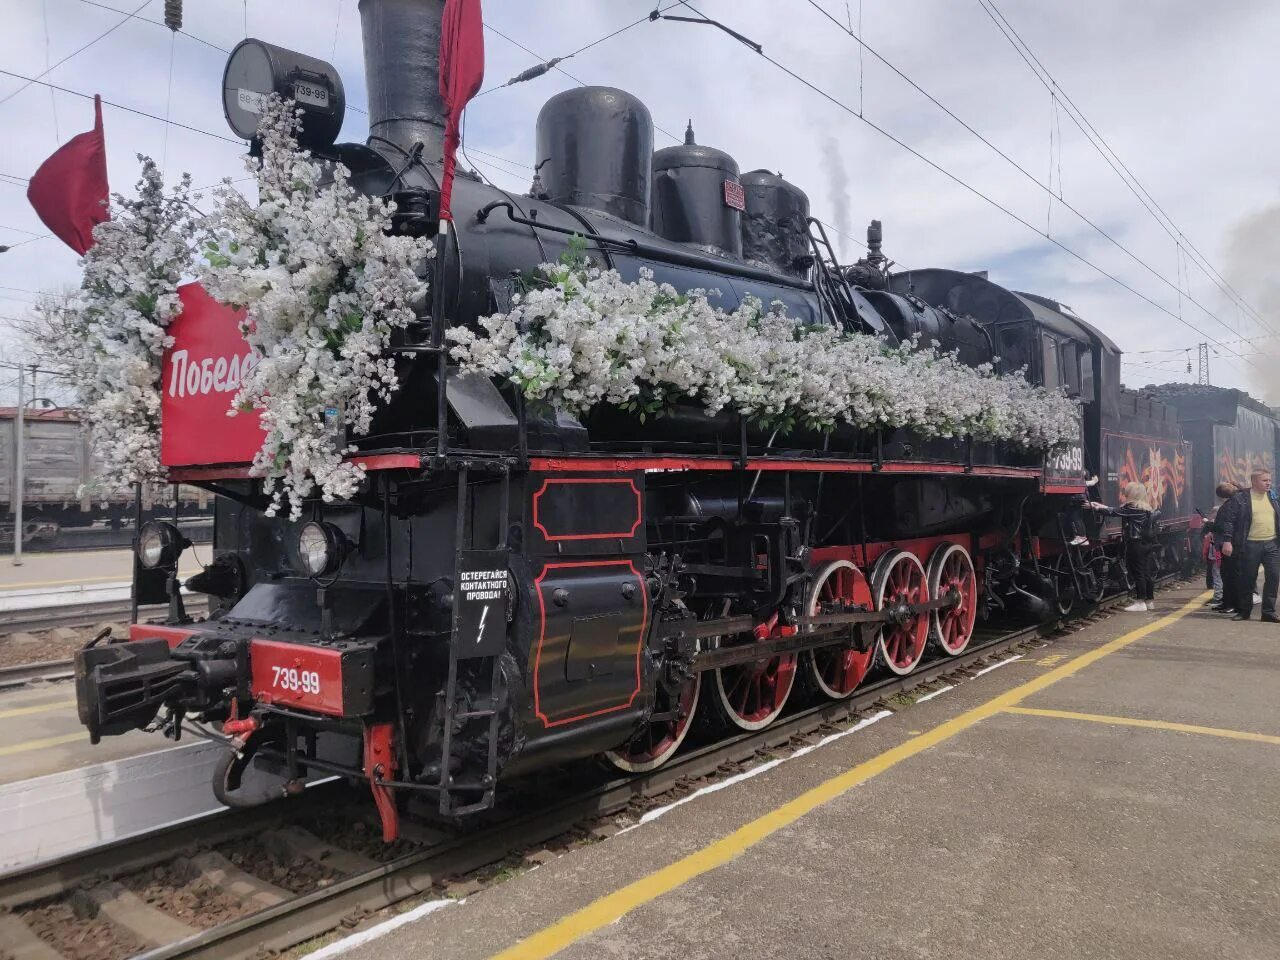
(624, 464)
(588, 464)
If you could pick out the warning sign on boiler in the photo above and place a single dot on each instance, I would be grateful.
(480, 603)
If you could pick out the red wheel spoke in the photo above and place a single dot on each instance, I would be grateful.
(836, 670)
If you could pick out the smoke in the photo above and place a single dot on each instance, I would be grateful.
(1253, 259)
(838, 183)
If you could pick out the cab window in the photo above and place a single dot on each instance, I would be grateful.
(1069, 363)
(1052, 368)
(1013, 347)
(1086, 374)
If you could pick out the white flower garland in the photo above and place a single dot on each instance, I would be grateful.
(114, 329)
(323, 286)
(586, 336)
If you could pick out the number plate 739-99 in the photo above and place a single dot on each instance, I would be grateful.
(296, 675)
(312, 93)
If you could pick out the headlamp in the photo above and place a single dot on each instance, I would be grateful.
(160, 544)
(320, 548)
(255, 70)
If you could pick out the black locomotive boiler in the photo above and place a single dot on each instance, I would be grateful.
(514, 588)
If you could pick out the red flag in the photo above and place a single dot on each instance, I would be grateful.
(461, 72)
(69, 191)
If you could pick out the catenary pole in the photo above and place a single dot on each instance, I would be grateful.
(19, 484)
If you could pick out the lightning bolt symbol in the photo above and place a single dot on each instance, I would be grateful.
(483, 614)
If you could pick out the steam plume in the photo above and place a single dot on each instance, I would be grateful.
(1253, 256)
(838, 181)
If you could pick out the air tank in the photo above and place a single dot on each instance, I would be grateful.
(775, 224)
(595, 145)
(697, 197)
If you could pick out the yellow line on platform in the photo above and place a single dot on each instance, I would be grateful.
(1148, 724)
(614, 906)
(41, 744)
(37, 708)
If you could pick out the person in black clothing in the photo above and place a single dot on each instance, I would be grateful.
(1142, 545)
(1251, 534)
(1223, 518)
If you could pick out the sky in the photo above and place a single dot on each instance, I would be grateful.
(1183, 93)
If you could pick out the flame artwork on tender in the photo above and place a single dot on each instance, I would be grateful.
(1236, 469)
(1160, 474)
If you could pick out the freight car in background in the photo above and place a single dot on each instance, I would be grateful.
(1230, 432)
(60, 481)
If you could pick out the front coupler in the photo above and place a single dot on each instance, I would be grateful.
(121, 687)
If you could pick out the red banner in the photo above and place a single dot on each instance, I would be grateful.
(201, 373)
(461, 73)
(69, 191)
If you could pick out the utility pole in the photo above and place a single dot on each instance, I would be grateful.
(19, 480)
(1203, 376)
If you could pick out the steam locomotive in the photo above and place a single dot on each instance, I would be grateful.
(515, 588)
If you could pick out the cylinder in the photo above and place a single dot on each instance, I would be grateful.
(402, 71)
(595, 148)
(697, 197)
(775, 224)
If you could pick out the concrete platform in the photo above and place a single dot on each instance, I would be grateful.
(75, 568)
(39, 731)
(1115, 795)
(41, 734)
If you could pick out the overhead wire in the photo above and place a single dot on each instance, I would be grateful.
(1182, 349)
(555, 61)
(121, 106)
(168, 103)
(933, 164)
(537, 56)
(1046, 187)
(337, 22)
(1112, 158)
(495, 157)
(158, 23)
(74, 53)
(43, 236)
(53, 98)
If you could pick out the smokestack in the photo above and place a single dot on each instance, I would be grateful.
(402, 71)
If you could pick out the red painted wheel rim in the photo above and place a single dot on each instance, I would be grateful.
(954, 625)
(837, 670)
(902, 644)
(654, 745)
(753, 694)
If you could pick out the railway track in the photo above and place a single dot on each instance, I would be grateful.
(48, 671)
(34, 619)
(330, 871)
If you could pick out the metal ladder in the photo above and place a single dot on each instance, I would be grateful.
(834, 287)
(485, 703)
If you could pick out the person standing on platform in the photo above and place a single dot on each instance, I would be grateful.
(1224, 521)
(1252, 536)
(1221, 569)
(1142, 544)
